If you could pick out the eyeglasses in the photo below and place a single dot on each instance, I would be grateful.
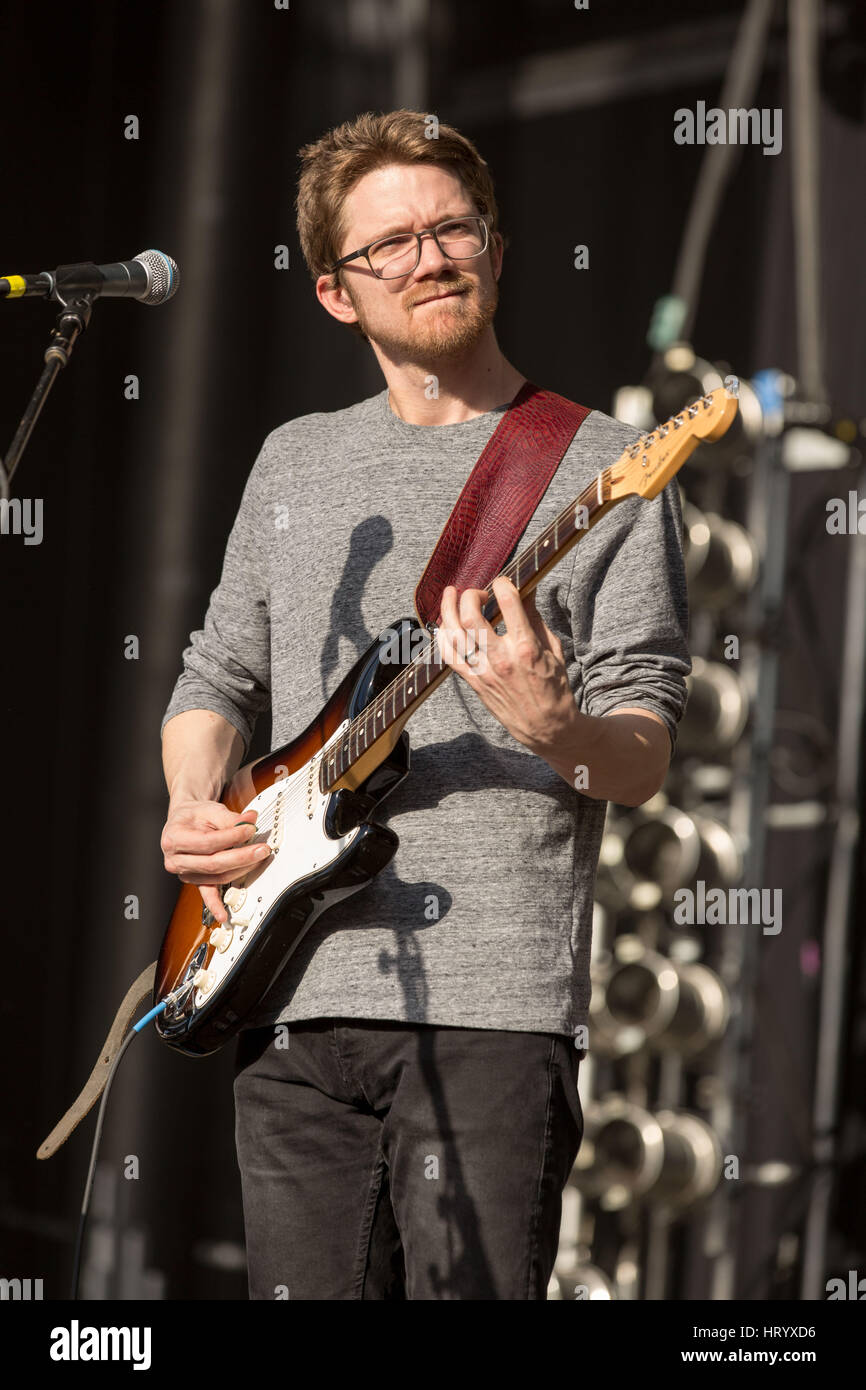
(459, 239)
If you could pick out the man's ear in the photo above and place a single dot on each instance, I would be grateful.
(497, 250)
(334, 297)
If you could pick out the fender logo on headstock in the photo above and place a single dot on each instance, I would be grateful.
(651, 466)
(650, 463)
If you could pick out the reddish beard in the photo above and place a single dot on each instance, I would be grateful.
(450, 330)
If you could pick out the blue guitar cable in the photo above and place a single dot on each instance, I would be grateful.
(154, 1013)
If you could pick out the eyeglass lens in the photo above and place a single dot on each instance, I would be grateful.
(460, 239)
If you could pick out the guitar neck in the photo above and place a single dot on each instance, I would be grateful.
(641, 470)
(384, 718)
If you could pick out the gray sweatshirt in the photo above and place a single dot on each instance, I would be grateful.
(483, 919)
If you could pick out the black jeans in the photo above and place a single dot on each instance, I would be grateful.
(384, 1160)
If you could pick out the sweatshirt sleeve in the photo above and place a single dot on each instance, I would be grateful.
(226, 667)
(629, 610)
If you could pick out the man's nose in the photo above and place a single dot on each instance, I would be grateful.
(432, 259)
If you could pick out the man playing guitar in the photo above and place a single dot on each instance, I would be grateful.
(406, 1094)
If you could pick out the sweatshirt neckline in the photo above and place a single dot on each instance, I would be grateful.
(486, 421)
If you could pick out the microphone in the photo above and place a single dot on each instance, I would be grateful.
(151, 277)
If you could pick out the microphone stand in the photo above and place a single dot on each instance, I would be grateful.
(71, 323)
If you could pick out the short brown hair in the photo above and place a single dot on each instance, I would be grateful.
(332, 166)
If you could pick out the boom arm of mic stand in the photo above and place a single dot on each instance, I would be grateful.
(71, 323)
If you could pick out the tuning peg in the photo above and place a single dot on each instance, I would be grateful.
(732, 386)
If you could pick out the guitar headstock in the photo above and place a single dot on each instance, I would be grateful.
(649, 464)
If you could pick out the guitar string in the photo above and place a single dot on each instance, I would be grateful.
(409, 677)
(289, 799)
(378, 707)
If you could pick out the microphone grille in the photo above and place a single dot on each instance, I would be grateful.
(162, 274)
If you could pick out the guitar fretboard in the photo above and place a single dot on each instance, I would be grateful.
(427, 669)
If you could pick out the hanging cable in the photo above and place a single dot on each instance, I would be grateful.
(674, 315)
(97, 1136)
(805, 194)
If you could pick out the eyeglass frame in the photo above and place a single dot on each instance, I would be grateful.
(425, 231)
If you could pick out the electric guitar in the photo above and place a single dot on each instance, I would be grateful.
(315, 797)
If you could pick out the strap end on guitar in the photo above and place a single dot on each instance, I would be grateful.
(138, 991)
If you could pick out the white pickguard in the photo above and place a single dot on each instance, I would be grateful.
(291, 817)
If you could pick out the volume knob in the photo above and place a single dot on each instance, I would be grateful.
(234, 899)
(221, 938)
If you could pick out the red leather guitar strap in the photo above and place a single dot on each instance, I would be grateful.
(500, 496)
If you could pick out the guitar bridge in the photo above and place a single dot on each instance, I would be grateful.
(183, 994)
